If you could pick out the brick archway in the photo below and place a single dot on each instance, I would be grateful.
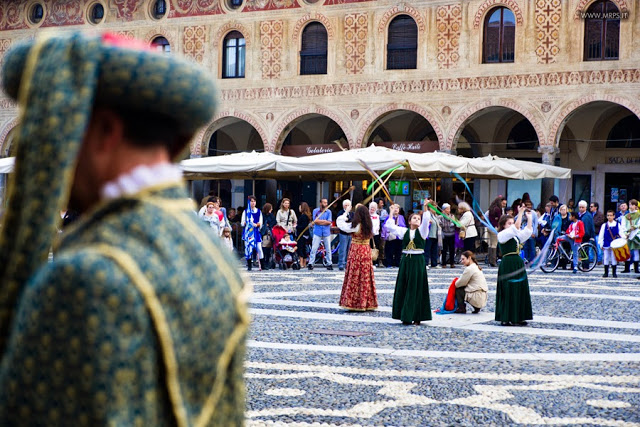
(163, 32)
(583, 5)
(457, 125)
(366, 127)
(314, 16)
(402, 9)
(567, 111)
(200, 142)
(292, 118)
(11, 125)
(490, 4)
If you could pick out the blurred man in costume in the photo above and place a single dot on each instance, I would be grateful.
(132, 323)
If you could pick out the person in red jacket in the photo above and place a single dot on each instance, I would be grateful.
(574, 235)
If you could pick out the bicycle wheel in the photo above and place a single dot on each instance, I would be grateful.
(552, 261)
(587, 256)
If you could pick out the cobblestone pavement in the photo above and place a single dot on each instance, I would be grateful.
(310, 362)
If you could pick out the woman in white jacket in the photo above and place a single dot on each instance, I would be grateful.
(472, 286)
(469, 227)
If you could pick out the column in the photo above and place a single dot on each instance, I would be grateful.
(548, 158)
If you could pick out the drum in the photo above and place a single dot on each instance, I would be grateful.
(620, 250)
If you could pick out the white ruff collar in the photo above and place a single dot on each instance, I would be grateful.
(140, 178)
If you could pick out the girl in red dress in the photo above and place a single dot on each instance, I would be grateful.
(359, 286)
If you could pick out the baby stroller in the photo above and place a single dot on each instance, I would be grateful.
(284, 255)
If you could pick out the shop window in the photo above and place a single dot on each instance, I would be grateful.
(402, 44)
(601, 34)
(161, 44)
(625, 133)
(499, 36)
(233, 56)
(96, 13)
(313, 55)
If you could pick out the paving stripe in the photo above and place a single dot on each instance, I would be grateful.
(426, 354)
(444, 291)
(387, 309)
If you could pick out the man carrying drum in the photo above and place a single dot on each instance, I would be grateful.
(631, 223)
(612, 245)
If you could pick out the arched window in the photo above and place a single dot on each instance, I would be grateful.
(402, 44)
(233, 56)
(499, 36)
(36, 13)
(161, 44)
(313, 55)
(96, 15)
(602, 34)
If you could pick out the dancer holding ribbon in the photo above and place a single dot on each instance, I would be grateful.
(513, 300)
(411, 302)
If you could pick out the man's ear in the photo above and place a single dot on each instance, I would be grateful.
(108, 131)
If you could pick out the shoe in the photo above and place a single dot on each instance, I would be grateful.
(476, 310)
(427, 267)
(417, 323)
(523, 323)
(330, 267)
(505, 324)
(310, 266)
(341, 268)
(461, 310)
(575, 271)
(453, 266)
(406, 323)
(438, 266)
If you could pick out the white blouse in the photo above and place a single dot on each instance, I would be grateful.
(505, 235)
(343, 225)
(392, 228)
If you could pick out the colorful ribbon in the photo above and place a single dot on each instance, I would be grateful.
(383, 174)
(483, 220)
(439, 212)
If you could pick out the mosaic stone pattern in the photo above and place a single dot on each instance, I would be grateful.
(448, 22)
(355, 42)
(195, 38)
(271, 48)
(548, 16)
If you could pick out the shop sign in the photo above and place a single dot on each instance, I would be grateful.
(308, 150)
(622, 160)
(411, 146)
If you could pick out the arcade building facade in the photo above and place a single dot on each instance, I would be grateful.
(551, 81)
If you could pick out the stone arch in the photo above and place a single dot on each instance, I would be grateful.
(11, 125)
(583, 5)
(401, 9)
(365, 128)
(200, 142)
(291, 119)
(163, 32)
(490, 4)
(458, 124)
(309, 17)
(227, 28)
(567, 111)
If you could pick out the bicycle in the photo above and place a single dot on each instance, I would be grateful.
(321, 255)
(587, 257)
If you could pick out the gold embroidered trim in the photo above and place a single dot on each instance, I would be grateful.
(129, 266)
(411, 246)
(242, 292)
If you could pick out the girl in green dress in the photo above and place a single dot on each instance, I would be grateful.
(411, 302)
(513, 301)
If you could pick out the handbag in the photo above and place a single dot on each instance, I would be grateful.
(374, 251)
(266, 241)
(462, 234)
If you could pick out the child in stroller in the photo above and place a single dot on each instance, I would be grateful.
(285, 249)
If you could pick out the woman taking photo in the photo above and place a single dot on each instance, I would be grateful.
(513, 300)
(303, 238)
(286, 217)
(472, 286)
(359, 286)
(468, 233)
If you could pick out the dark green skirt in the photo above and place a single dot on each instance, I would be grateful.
(411, 298)
(513, 300)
